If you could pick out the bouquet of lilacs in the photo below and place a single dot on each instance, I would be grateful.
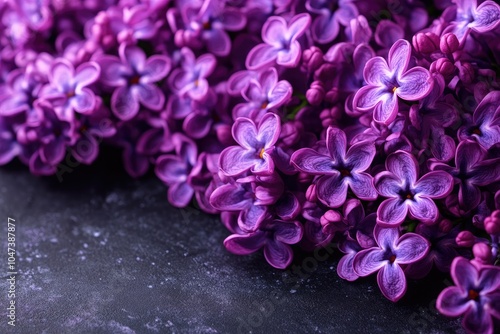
(373, 124)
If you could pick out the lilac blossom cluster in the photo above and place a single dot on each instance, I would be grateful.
(371, 124)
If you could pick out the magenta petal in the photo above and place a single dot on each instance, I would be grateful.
(180, 194)
(156, 68)
(245, 244)
(469, 153)
(278, 254)
(410, 248)
(367, 97)
(135, 164)
(368, 261)
(404, 166)
(345, 267)
(86, 149)
(376, 72)
(464, 273)
(362, 186)
(251, 219)
(399, 57)
(360, 155)
(269, 130)
(61, 73)
(289, 57)
(273, 30)
(134, 56)
(171, 169)
(391, 212)
(234, 160)
(453, 302)
(387, 184)
(477, 321)
(309, 161)
(386, 237)
(487, 17)
(84, 102)
(437, 184)
(53, 152)
(124, 104)
(332, 190)
(288, 233)
(229, 198)
(415, 84)
(490, 279)
(261, 56)
(423, 209)
(469, 196)
(39, 167)
(245, 133)
(392, 282)
(386, 111)
(87, 74)
(325, 28)
(218, 42)
(336, 143)
(150, 96)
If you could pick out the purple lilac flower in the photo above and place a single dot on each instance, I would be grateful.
(275, 237)
(190, 79)
(134, 77)
(256, 143)
(338, 170)
(68, 89)
(485, 124)
(476, 296)
(130, 24)
(9, 147)
(470, 16)
(472, 170)
(388, 80)
(407, 192)
(280, 42)
(386, 258)
(205, 23)
(174, 170)
(331, 14)
(251, 197)
(20, 92)
(263, 94)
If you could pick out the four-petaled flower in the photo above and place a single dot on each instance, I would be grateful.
(280, 42)
(388, 80)
(134, 78)
(391, 252)
(256, 143)
(68, 91)
(275, 237)
(408, 193)
(339, 169)
(476, 296)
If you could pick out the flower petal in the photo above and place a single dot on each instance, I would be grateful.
(362, 186)
(386, 237)
(278, 254)
(387, 184)
(367, 97)
(410, 248)
(386, 111)
(360, 156)
(229, 197)
(124, 104)
(423, 209)
(180, 194)
(436, 184)
(377, 73)
(477, 320)
(251, 218)
(235, 160)
(156, 68)
(392, 282)
(453, 302)
(289, 57)
(415, 84)
(309, 161)
(399, 57)
(245, 244)
(332, 190)
(269, 130)
(336, 143)
(171, 169)
(288, 232)
(368, 261)
(486, 18)
(245, 133)
(150, 96)
(87, 74)
(261, 56)
(391, 212)
(404, 166)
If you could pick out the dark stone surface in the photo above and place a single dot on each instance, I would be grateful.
(101, 253)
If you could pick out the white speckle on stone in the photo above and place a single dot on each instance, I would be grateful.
(85, 245)
(150, 286)
(293, 291)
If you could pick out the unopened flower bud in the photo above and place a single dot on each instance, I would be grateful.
(290, 133)
(311, 193)
(449, 43)
(315, 93)
(444, 67)
(466, 73)
(312, 58)
(482, 253)
(328, 219)
(492, 223)
(426, 42)
(465, 239)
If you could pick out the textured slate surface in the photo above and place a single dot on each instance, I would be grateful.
(101, 253)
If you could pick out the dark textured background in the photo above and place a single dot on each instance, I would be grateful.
(101, 253)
